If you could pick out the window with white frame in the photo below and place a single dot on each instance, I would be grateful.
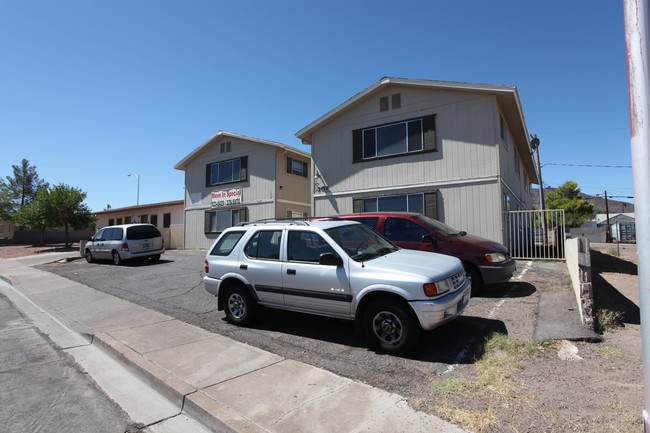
(232, 170)
(394, 139)
(299, 168)
(218, 221)
(402, 137)
(395, 203)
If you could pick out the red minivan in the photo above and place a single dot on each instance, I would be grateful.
(487, 262)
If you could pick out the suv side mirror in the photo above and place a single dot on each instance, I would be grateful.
(330, 259)
(429, 239)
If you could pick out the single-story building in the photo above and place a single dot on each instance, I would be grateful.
(167, 216)
(458, 152)
(232, 178)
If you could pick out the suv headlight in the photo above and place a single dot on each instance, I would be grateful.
(439, 287)
(496, 257)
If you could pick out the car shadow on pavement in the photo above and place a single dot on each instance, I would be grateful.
(511, 289)
(456, 342)
(453, 342)
(134, 263)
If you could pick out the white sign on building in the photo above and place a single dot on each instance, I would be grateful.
(227, 197)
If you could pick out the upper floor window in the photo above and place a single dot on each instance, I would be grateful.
(297, 167)
(393, 139)
(232, 170)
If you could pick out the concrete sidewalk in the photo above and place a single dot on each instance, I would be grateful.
(226, 385)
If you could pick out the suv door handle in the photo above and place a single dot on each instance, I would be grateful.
(244, 267)
(291, 272)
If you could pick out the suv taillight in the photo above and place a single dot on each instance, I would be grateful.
(206, 268)
(125, 247)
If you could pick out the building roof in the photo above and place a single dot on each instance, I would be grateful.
(142, 206)
(182, 164)
(614, 217)
(507, 96)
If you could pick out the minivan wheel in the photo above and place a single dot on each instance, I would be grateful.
(116, 258)
(390, 327)
(89, 256)
(239, 306)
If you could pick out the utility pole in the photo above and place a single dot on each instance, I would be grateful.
(608, 233)
(637, 46)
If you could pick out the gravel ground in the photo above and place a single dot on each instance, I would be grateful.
(12, 251)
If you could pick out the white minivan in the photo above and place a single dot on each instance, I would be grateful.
(125, 242)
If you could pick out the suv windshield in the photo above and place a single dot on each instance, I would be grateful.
(360, 242)
(438, 226)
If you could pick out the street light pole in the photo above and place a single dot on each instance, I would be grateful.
(534, 143)
(138, 196)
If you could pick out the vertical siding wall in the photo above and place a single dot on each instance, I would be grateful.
(293, 192)
(258, 191)
(516, 183)
(465, 169)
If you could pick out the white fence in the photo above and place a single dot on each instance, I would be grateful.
(536, 234)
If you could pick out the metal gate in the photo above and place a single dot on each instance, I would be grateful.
(536, 234)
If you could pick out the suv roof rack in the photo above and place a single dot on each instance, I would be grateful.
(288, 221)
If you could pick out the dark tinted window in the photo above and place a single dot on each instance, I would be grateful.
(264, 245)
(403, 230)
(113, 234)
(369, 221)
(307, 246)
(142, 232)
(226, 243)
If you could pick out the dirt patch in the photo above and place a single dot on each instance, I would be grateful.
(561, 386)
(14, 251)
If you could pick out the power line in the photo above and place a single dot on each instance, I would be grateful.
(587, 165)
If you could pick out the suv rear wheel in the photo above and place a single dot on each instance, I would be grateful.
(390, 327)
(239, 306)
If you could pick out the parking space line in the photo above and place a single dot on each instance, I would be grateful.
(461, 355)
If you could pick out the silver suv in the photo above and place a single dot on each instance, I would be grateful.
(124, 242)
(338, 269)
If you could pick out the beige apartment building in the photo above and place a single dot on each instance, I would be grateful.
(232, 178)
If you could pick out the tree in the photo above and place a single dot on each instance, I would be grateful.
(61, 205)
(21, 189)
(7, 205)
(34, 216)
(65, 207)
(567, 196)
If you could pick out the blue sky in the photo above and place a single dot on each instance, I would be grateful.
(91, 91)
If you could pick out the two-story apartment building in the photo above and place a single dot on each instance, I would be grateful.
(233, 178)
(458, 152)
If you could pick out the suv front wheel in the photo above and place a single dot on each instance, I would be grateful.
(239, 306)
(390, 327)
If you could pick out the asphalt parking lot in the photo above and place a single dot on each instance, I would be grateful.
(173, 286)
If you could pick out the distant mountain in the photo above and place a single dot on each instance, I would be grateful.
(615, 206)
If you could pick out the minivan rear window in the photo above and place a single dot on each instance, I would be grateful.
(142, 232)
